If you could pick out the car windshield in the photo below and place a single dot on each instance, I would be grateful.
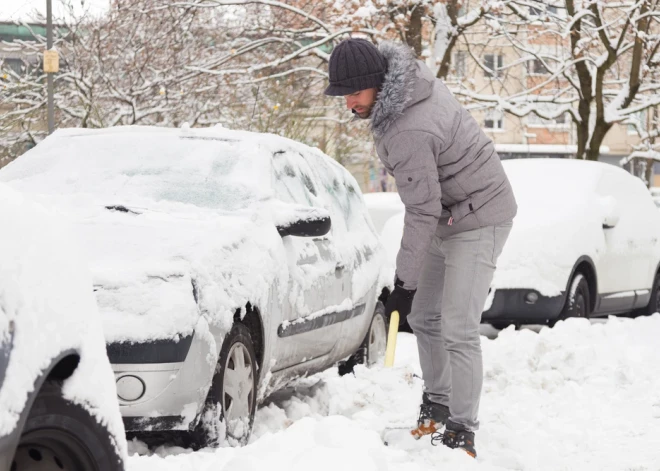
(550, 190)
(135, 168)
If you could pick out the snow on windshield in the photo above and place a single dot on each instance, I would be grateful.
(138, 166)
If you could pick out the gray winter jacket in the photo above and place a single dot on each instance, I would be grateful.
(447, 172)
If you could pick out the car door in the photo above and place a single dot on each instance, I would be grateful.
(623, 267)
(315, 298)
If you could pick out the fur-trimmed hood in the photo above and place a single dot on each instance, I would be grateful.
(407, 81)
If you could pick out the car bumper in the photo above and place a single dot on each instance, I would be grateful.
(155, 395)
(514, 305)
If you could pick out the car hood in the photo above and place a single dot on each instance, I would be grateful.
(155, 273)
(543, 248)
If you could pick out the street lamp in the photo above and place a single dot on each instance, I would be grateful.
(51, 64)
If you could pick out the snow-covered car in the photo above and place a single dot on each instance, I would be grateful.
(226, 264)
(58, 406)
(584, 243)
(382, 206)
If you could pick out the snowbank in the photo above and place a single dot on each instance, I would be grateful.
(46, 292)
(579, 396)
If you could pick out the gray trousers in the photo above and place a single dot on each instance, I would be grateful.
(446, 314)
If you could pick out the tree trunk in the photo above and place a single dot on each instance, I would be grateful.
(650, 162)
(583, 128)
(414, 29)
(446, 58)
(600, 131)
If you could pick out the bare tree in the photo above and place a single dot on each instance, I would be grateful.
(596, 61)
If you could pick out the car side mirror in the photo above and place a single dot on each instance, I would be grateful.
(313, 227)
(610, 212)
(301, 221)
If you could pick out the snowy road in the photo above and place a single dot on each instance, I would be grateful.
(580, 396)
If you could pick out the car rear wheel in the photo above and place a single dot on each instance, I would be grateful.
(372, 349)
(230, 406)
(578, 299)
(654, 302)
(60, 435)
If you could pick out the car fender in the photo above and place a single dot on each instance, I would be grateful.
(9, 442)
(592, 278)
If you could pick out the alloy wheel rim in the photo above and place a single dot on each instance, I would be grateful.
(238, 390)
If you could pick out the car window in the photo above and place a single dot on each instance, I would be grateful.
(314, 180)
(632, 197)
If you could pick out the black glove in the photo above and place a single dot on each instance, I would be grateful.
(400, 300)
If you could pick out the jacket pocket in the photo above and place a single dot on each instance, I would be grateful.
(413, 186)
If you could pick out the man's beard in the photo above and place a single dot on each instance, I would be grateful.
(364, 115)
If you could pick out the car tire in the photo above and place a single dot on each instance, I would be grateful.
(228, 414)
(577, 299)
(61, 435)
(372, 348)
(500, 325)
(654, 302)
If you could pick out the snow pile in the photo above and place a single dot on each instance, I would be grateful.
(579, 396)
(46, 297)
(179, 223)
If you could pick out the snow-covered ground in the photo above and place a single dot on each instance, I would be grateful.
(583, 395)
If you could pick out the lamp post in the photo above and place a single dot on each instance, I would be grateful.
(51, 64)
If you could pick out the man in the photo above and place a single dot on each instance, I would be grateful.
(459, 211)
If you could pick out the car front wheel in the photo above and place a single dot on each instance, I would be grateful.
(230, 406)
(372, 349)
(60, 435)
(578, 299)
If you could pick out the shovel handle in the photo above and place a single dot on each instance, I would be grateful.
(391, 339)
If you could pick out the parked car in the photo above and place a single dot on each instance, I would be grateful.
(226, 264)
(58, 409)
(584, 244)
(382, 206)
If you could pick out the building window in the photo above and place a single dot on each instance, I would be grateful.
(561, 121)
(537, 67)
(15, 65)
(494, 120)
(460, 60)
(637, 121)
(495, 64)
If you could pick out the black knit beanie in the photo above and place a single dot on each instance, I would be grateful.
(355, 64)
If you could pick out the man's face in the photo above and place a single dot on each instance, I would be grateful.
(362, 102)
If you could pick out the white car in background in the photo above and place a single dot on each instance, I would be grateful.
(382, 207)
(58, 407)
(226, 264)
(585, 243)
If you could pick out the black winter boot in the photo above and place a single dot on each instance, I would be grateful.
(456, 439)
(432, 417)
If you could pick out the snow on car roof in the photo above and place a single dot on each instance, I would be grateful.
(213, 168)
(140, 165)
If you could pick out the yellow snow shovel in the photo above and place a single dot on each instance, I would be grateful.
(391, 339)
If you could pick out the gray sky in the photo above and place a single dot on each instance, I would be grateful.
(24, 10)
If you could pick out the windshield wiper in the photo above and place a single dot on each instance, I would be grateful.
(121, 208)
